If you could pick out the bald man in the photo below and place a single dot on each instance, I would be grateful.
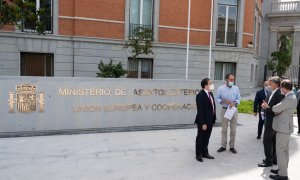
(259, 97)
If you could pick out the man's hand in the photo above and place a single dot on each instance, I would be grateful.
(226, 101)
(204, 127)
(264, 105)
(231, 105)
(255, 113)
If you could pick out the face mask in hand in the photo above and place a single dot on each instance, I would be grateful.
(211, 87)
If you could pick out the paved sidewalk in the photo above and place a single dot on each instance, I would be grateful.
(153, 155)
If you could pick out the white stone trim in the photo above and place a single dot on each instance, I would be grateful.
(183, 28)
(248, 34)
(92, 19)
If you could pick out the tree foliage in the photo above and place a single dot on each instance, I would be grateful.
(110, 70)
(140, 42)
(281, 59)
(15, 11)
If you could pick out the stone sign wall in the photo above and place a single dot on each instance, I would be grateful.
(29, 104)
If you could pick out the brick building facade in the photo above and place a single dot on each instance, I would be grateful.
(81, 33)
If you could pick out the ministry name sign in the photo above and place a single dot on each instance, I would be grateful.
(45, 104)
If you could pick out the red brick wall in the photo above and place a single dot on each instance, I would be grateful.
(99, 29)
(66, 27)
(248, 21)
(95, 9)
(101, 9)
(175, 13)
(67, 8)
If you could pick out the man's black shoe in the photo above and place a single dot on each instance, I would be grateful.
(275, 171)
(208, 156)
(199, 158)
(221, 149)
(264, 164)
(258, 137)
(277, 177)
(233, 150)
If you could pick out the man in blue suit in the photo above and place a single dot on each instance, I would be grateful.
(259, 98)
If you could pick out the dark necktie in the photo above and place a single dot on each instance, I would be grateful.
(212, 104)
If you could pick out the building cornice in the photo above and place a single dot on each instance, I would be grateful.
(117, 41)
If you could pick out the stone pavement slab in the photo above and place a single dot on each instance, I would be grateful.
(153, 155)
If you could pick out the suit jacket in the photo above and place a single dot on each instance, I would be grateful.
(283, 120)
(298, 98)
(259, 97)
(205, 113)
(276, 98)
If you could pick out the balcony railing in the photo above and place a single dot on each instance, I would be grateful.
(30, 27)
(141, 31)
(226, 38)
(285, 7)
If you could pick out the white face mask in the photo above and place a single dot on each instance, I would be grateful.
(230, 84)
(211, 87)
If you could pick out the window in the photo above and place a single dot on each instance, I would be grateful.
(227, 23)
(141, 15)
(223, 68)
(35, 64)
(140, 68)
(28, 26)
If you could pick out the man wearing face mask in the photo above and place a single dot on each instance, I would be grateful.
(259, 98)
(283, 125)
(205, 119)
(269, 138)
(228, 95)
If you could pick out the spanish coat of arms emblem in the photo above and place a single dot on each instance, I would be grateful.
(26, 99)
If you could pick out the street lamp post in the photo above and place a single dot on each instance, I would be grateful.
(210, 39)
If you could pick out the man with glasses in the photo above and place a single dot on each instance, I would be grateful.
(228, 95)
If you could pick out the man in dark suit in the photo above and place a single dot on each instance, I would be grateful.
(259, 98)
(283, 125)
(269, 134)
(298, 109)
(205, 119)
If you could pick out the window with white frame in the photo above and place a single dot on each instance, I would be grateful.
(223, 68)
(227, 23)
(140, 68)
(46, 18)
(141, 15)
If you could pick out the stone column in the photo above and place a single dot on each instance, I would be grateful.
(296, 46)
(127, 14)
(156, 20)
(240, 28)
(273, 41)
